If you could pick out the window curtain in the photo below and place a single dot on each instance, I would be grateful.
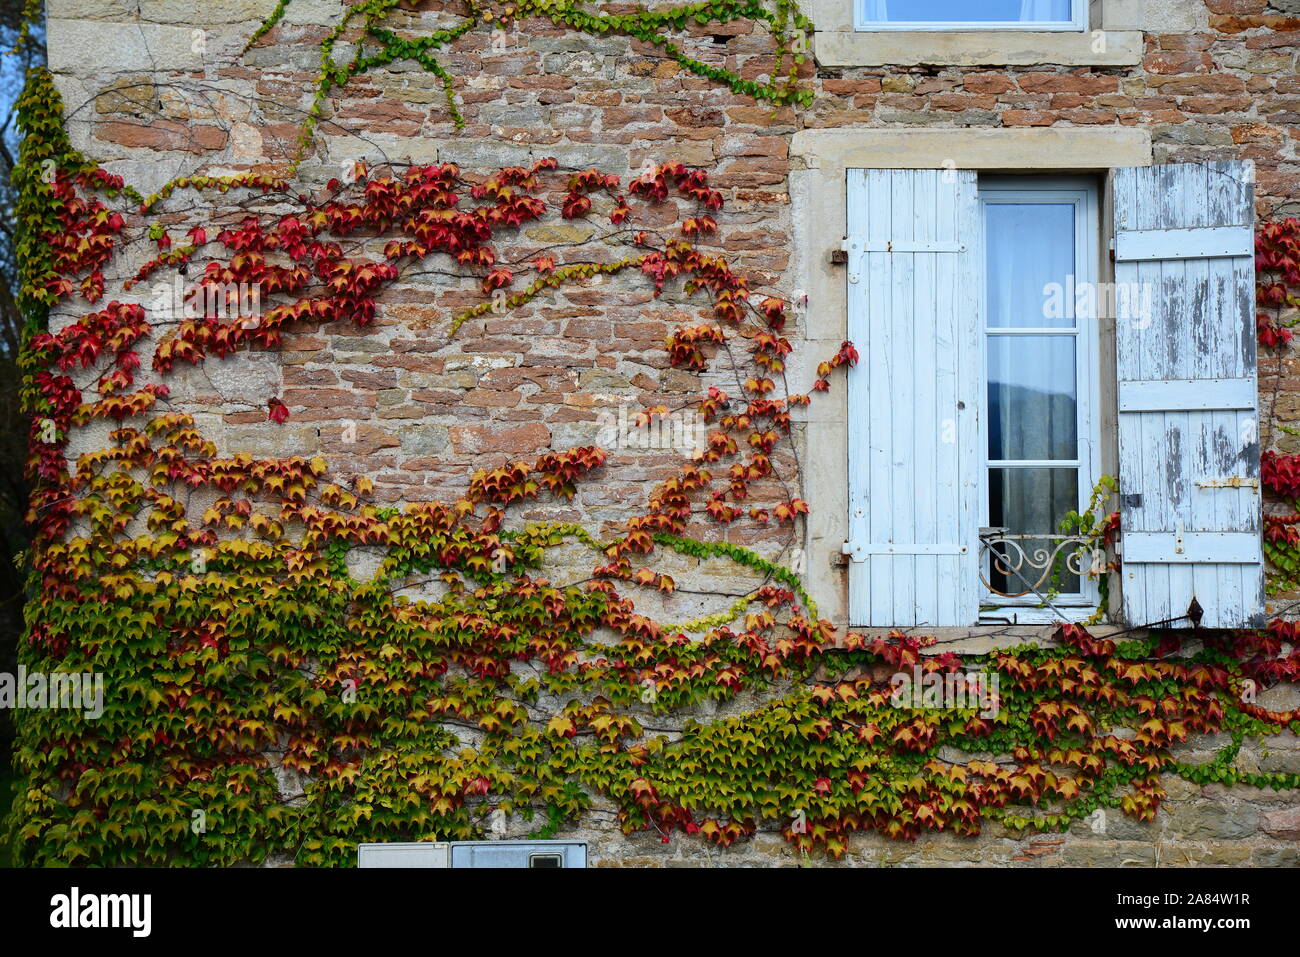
(1032, 390)
(876, 11)
(1038, 11)
(1034, 417)
(1032, 380)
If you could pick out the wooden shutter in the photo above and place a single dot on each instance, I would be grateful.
(914, 307)
(1188, 439)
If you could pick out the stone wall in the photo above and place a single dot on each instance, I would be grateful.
(159, 88)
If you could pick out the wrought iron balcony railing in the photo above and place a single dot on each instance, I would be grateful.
(1017, 565)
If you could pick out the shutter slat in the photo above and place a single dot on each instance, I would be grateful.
(953, 348)
(900, 474)
(914, 315)
(1187, 396)
(878, 501)
(925, 519)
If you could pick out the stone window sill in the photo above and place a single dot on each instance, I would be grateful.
(1005, 48)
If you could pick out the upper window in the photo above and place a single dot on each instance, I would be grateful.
(968, 15)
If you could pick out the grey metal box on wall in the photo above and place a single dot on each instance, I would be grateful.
(549, 854)
(415, 854)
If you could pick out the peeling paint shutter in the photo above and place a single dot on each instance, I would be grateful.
(1188, 438)
(914, 255)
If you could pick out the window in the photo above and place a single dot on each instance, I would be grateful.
(968, 15)
(972, 419)
(1040, 342)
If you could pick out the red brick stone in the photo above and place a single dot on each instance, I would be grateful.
(988, 83)
(1255, 131)
(1027, 118)
(1214, 83)
(1068, 83)
(1234, 24)
(1064, 101)
(390, 115)
(1236, 6)
(1283, 823)
(962, 101)
(1216, 104)
(1184, 41)
(1178, 62)
(163, 135)
(532, 437)
(867, 84)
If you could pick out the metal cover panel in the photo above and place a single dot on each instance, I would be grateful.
(572, 854)
(415, 854)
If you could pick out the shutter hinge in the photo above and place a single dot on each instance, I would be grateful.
(856, 243)
(847, 246)
(1235, 481)
(1132, 500)
(861, 552)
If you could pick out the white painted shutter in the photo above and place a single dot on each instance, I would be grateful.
(914, 307)
(1188, 439)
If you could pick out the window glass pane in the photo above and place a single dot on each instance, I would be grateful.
(968, 11)
(1029, 502)
(1033, 399)
(1030, 247)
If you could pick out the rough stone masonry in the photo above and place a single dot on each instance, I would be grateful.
(158, 88)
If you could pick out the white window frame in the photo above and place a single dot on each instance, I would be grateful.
(1078, 22)
(1084, 194)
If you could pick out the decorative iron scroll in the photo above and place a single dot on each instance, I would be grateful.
(1030, 567)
